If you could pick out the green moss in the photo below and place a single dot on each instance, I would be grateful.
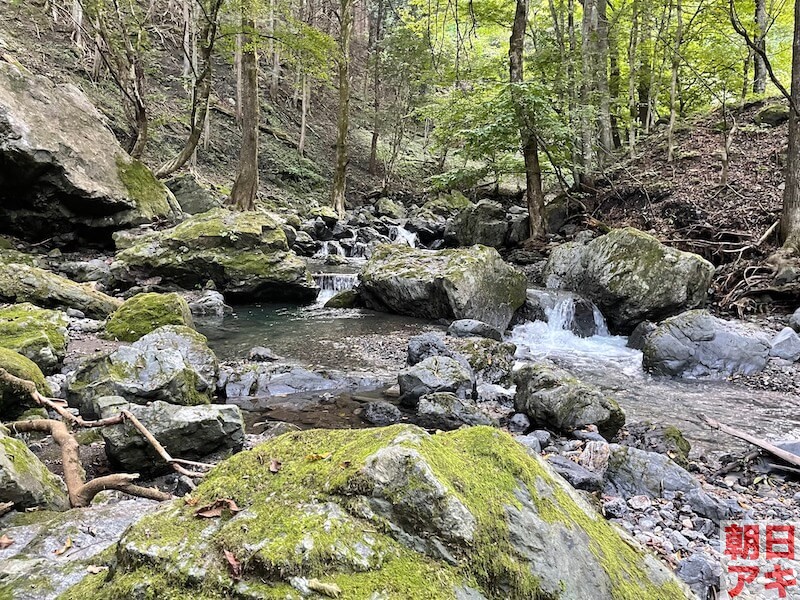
(143, 188)
(42, 487)
(312, 519)
(36, 333)
(12, 402)
(144, 313)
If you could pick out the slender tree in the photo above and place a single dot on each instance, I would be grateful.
(527, 131)
(790, 217)
(759, 67)
(343, 121)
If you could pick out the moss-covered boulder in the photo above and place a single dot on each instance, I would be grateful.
(630, 276)
(36, 333)
(553, 398)
(430, 220)
(24, 283)
(772, 115)
(143, 313)
(244, 253)
(12, 402)
(467, 283)
(384, 513)
(386, 207)
(64, 174)
(482, 223)
(25, 481)
(172, 364)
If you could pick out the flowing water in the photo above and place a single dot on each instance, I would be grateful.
(605, 361)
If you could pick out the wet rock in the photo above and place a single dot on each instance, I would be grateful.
(25, 481)
(23, 283)
(172, 364)
(30, 569)
(63, 172)
(578, 477)
(144, 313)
(786, 345)
(578, 315)
(446, 411)
(36, 333)
(192, 197)
(382, 413)
(473, 328)
(632, 472)
(630, 276)
(262, 354)
(482, 223)
(552, 397)
(701, 573)
(409, 512)
(344, 299)
(434, 374)
(12, 400)
(468, 283)
(245, 254)
(639, 335)
(189, 432)
(696, 343)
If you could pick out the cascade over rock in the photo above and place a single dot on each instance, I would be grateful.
(62, 172)
(467, 283)
(631, 276)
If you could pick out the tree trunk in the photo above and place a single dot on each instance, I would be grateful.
(305, 93)
(243, 195)
(606, 142)
(614, 85)
(376, 86)
(343, 70)
(790, 217)
(633, 109)
(673, 86)
(530, 150)
(759, 68)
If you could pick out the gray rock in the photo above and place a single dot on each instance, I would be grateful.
(531, 442)
(630, 276)
(786, 345)
(262, 354)
(579, 477)
(639, 335)
(434, 374)
(382, 413)
(491, 392)
(632, 472)
(424, 346)
(209, 303)
(615, 508)
(188, 432)
(172, 364)
(25, 481)
(490, 361)
(482, 223)
(794, 320)
(696, 343)
(468, 283)
(86, 271)
(446, 411)
(192, 197)
(62, 172)
(545, 437)
(385, 207)
(519, 423)
(473, 328)
(552, 397)
(701, 573)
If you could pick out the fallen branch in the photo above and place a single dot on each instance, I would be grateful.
(784, 455)
(80, 492)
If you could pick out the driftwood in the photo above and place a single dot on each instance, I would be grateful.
(788, 457)
(80, 491)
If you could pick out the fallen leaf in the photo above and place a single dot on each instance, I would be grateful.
(315, 456)
(235, 565)
(275, 465)
(95, 569)
(5, 541)
(67, 545)
(215, 509)
(346, 464)
(191, 501)
(327, 589)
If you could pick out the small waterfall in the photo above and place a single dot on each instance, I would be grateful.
(328, 248)
(600, 326)
(561, 316)
(400, 235)
(331, 284)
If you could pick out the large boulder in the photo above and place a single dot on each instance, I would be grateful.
(469, 283)
(12, 400)
(631, 276)
(245, 254)
(697, 343)
(25, 481)
(24, 283)
(482, 223)
(172, 364)
(143, 313)
(554, 398)
(384, 513)
(189, 432)
(192, 197)
(36, 333)
(62, 171)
